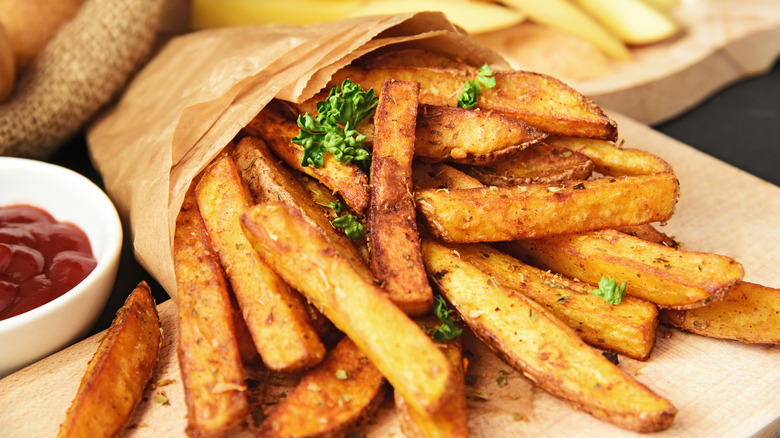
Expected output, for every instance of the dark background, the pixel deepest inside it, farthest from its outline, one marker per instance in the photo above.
(739, 125)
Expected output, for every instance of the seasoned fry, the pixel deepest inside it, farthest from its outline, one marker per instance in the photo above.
(649, 233)
(541, 101)
(668, 277)
(540, 163)
(470, 137)
(392, 224)
(544, 349)
(274, 313)
(360, 309)
(345, 179)
(749, 313)
(451, 420)
(331, 399)
(415, 58)
(441, 176)
(209, 359)
(612, 160)
(627, 328)
(114, 382)
(492, 214)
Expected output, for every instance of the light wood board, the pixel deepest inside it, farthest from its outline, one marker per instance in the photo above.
(721, 388)
(723, 41)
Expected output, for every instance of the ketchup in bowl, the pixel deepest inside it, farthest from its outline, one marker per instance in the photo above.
(40, 258)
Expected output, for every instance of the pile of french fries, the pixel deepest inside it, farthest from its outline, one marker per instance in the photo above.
(512, 211)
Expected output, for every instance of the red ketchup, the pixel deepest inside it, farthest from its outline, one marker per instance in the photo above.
(40, 258)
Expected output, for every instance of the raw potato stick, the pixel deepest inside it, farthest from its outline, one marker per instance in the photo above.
(209, 359)
(669, 277)
(331, 400)
(395, 242)
(118, 372)
(545, 350)
(274, 313)
(493, 214)
(405, 355)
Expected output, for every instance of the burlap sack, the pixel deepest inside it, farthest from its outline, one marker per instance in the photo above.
(82, 68)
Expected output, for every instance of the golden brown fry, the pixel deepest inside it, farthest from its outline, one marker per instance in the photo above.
(649, 233)
(392, 224)
(470, 137)
(345, 179)
(118, 372)
(492, 214)
(360, 309)
(209, 359)
(331, 399)
(749, 313)
(441, 176)
(627, 328)
(540, 163)
(668, 277)
(544, 349)
(541, 101)
(414, 58)
(612, 160)
(451, 420)
(274, 313)
(268, 179)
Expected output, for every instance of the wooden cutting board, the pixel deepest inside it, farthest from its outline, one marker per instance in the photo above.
(723, 41)
(721, 388)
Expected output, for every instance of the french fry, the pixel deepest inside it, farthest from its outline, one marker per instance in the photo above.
(345, 179)
(395, 243)
(451, 420)
(441, 176)
(541, 101)
(209, 359)
(749, 313)
(267, 179)
(612, 160)
(541, 163)
(471, 137)
(274, 313)
(649, 233)
(492, 214)
(668, 277)
(117, 374)
(405, 355)
(331, 399)
(627, 328)
(544, 349)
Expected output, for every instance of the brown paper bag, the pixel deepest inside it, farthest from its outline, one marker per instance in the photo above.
(201, 88)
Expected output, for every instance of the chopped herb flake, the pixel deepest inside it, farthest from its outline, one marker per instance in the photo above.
(610, 291)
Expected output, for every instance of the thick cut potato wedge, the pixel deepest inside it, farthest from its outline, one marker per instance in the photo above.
(540, 163)
(545, 350)
(612, 160)
(405, 355)
(119, 371)
(413, 58)
(441, 176)
(627, 328)
(395, 242)
(457, 135)
(268, 179)
(749, 313)
(345, 179)
(649, 233)
(541, 101)
(493, 214)
(451, 421)
(209, 359)
(331, 399)
(668, 277)
(274, 313)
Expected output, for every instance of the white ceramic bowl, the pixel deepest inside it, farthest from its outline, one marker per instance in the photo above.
(69, 197)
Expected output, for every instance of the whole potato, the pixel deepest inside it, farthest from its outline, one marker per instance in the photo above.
(30, 24)
(7, 66)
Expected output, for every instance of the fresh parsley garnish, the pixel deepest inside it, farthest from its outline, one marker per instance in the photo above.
(334, 128)
(610, 291)
(447, 331)
(336, 206)
(471, 89)
(352, 227)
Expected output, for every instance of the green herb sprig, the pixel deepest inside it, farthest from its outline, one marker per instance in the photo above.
(334, 128)
(471, 89)
(610, 291)
(350, 224)
(447, 331)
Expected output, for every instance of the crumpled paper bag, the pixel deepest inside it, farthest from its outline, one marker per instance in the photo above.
(200, 89)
